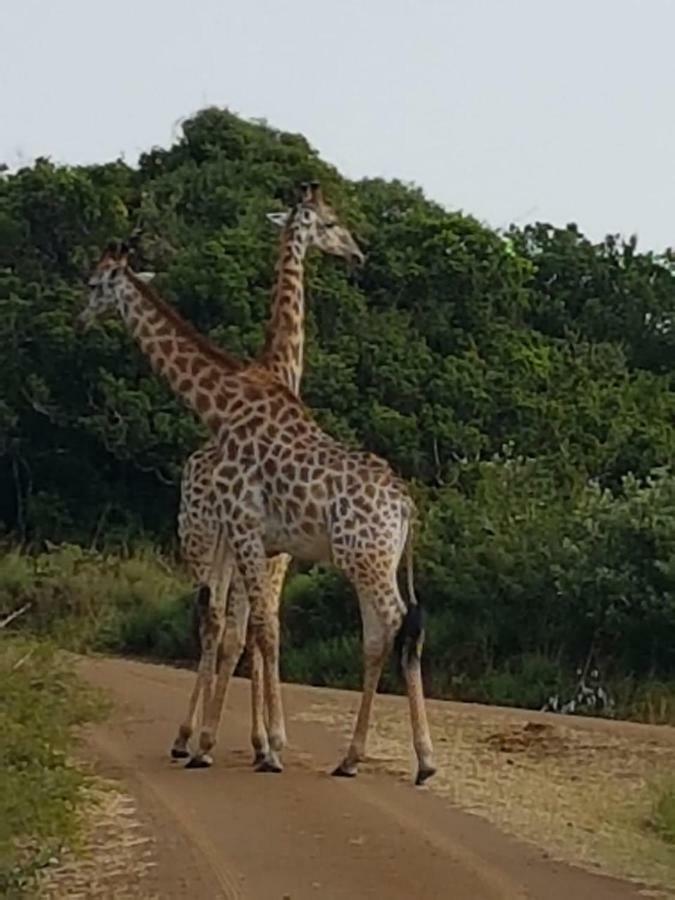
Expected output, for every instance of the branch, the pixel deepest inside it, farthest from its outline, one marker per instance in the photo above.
(14, 615)
(50, 412)
(159, 475)
(23, 659)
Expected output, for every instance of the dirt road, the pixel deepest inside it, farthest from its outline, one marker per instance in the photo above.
(229, 832)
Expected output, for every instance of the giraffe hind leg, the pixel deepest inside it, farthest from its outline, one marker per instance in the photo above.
(410, 640)
(259, 738)
(378, 636)
(268, 636)
(387, 621)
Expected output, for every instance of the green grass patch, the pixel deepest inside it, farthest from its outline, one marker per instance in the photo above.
(86, 600)
(40, 787)
(662, 819)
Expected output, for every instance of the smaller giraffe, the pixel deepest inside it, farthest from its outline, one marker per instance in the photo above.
(310, 223)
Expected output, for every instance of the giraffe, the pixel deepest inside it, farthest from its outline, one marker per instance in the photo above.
(311, 223)
(282, 485)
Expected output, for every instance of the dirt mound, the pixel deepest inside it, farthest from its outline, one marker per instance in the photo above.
(533, 738)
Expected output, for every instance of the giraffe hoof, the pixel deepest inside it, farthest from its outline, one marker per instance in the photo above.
(342, 772)
(267, 765)
(424, 775)
(200, 762)
(179, 753)
(259, 758)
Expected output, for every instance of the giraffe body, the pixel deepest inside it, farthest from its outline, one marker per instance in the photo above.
(283, 486)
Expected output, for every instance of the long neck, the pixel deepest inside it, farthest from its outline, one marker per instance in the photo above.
(283, 351)
(206, 378)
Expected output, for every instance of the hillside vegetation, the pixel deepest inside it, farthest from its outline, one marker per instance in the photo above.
(523, 383)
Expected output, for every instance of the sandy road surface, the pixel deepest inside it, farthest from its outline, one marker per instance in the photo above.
(229, 832)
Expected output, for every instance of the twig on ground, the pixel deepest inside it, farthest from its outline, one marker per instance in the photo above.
(14, 615)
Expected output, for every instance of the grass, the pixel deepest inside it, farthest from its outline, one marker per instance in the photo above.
(86, 600)
(40, 789)
(652, 701)
(662, 818)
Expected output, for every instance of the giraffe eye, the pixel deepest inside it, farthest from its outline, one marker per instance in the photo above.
(330, 224)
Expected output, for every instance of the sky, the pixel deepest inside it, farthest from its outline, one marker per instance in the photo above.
(511, 110)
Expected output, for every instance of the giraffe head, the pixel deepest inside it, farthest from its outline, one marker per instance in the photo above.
(105, 281)
(320, 223)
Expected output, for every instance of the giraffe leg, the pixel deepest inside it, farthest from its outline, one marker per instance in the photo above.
(259, 739)
(208, 635)
(212, 623)
(267, 636)
(232, 647)
(378, 638)
(198, 542)
(258, 578)
(411, 640)
(267, 649)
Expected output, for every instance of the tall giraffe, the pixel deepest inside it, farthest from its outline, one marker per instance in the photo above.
(311, 223)
(283, 486)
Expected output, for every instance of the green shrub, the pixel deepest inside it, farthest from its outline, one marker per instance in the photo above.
(650, 700)
(332, 661)
(527, 682)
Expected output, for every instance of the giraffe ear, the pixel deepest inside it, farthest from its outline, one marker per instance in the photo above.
(145, 277)
(278, 218)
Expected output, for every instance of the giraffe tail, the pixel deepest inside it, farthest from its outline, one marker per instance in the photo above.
(410, 636)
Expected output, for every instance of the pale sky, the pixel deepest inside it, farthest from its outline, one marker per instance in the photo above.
(558, 110)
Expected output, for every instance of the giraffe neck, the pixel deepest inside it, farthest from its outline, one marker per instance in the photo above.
(205, 377)
(283, 351)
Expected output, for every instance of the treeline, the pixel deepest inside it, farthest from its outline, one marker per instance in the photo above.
(522, 382)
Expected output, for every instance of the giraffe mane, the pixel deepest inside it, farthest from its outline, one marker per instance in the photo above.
(184, 328)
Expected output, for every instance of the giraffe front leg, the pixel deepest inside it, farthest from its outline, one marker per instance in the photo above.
(180, 749)
(232, 647)
(262, 588)
(207, 677)
(212, 617)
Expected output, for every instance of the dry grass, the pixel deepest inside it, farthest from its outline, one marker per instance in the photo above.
(582, 793)
(116, 858)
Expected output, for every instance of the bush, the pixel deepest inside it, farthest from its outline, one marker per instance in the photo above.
(516, 564)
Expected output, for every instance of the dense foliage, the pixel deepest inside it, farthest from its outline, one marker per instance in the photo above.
(523, 382)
